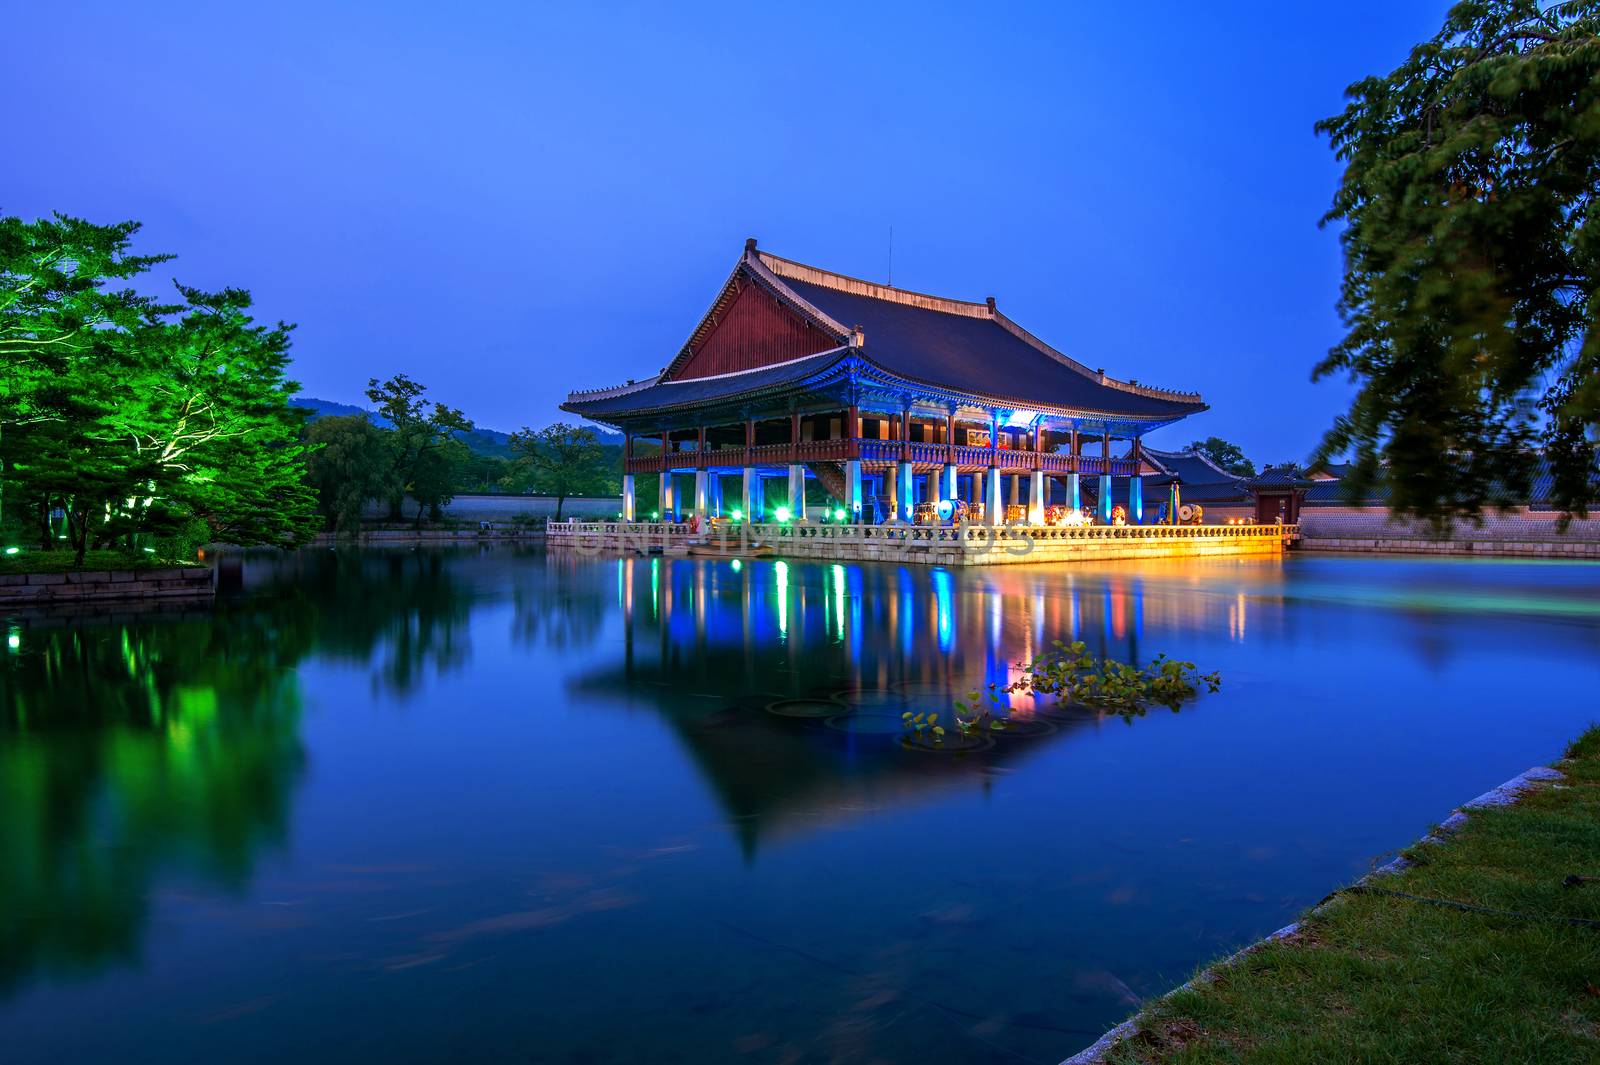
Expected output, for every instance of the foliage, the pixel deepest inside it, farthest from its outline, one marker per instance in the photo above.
(349, 465)
(1471, 243)
(421, 459)
(1229, 456)
(134, 418)
(564, 460)
(1072, 673)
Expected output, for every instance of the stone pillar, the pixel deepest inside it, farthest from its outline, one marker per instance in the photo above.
(627, 497)
(701, 496)
(949, 489)
(1136, 500)
(1074, 495)
(666, 494)
(1105, 499)
(752, 494)
(852, 490)
(1016, 489)
(991, 505)
(889, 485)
(907, 489)
(1036, 498)
(797, 491)
(930, 488)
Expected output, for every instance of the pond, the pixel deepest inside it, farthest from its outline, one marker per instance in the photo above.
(510, 806)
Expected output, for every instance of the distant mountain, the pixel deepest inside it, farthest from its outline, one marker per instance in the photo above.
(483, 441)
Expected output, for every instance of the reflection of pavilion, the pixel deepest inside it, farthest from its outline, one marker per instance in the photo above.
(710, 642)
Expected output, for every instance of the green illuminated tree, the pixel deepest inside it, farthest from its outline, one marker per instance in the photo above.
(133, 417)
(1471, 239)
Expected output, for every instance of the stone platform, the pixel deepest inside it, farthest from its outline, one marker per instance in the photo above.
(965, 545)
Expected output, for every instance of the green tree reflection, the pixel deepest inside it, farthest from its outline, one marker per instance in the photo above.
(128, 750)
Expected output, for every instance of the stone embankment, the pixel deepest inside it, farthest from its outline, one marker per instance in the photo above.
(44, 589)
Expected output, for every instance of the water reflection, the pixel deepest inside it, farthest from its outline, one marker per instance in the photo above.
(678, 783)
(129, 753)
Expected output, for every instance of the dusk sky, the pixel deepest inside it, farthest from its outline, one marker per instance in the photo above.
(508, 201)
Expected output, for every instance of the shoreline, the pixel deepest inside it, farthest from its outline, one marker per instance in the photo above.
(1507, 794)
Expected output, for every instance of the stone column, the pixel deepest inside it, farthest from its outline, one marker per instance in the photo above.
(930, 489)
(797, 491)
(1136, 500)
(627, 497)
(1036, 498)
(852, 490)
(1074, 495)
(701, 496)
(949, 489)
(752, 494)
(1105, 499)
(991, 505)
(891, 481)
(907, 490)
(666, 494)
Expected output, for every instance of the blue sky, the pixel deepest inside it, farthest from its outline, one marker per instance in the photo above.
(508, 200)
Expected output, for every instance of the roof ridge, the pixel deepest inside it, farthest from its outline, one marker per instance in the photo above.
(856, 286)
(611, 391)
(756, 369)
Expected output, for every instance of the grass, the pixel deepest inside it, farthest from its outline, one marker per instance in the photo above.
(33, 561)
(1370, 978)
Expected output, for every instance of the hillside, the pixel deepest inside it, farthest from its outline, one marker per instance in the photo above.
(483, 441)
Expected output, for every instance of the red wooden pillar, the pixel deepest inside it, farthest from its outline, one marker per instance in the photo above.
(905, 434)
(852, 432)
(794, 437)
(950, 437)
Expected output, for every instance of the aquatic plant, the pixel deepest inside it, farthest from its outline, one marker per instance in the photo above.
(1073, 674)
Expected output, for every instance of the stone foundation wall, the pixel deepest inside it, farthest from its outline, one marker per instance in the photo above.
(380, 537)
(969, 546)
(43, 589)
(1520, 534)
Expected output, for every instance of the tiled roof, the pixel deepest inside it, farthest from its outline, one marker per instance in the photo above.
(665, 395)
(977, 355)
(969, 349)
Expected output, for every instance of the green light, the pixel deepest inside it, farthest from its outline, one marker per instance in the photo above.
(654, 514)
(782, 514)
(14, 640)
(149, 550)
(737, 514)
(737, 565)
(12, 550)
(838, 514)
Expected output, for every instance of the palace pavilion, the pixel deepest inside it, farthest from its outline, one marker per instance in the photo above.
(887, 399)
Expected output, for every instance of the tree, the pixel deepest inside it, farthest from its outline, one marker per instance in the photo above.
(350, 463)
(563, 460)
(138, 418)
(1227, 455)
(421, 429)
(60, 321)
(1471, 238)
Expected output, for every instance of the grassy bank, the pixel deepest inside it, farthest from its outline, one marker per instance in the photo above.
(27, 561)
(1376, 978)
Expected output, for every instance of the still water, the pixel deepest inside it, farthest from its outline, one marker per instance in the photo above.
(516, 807)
